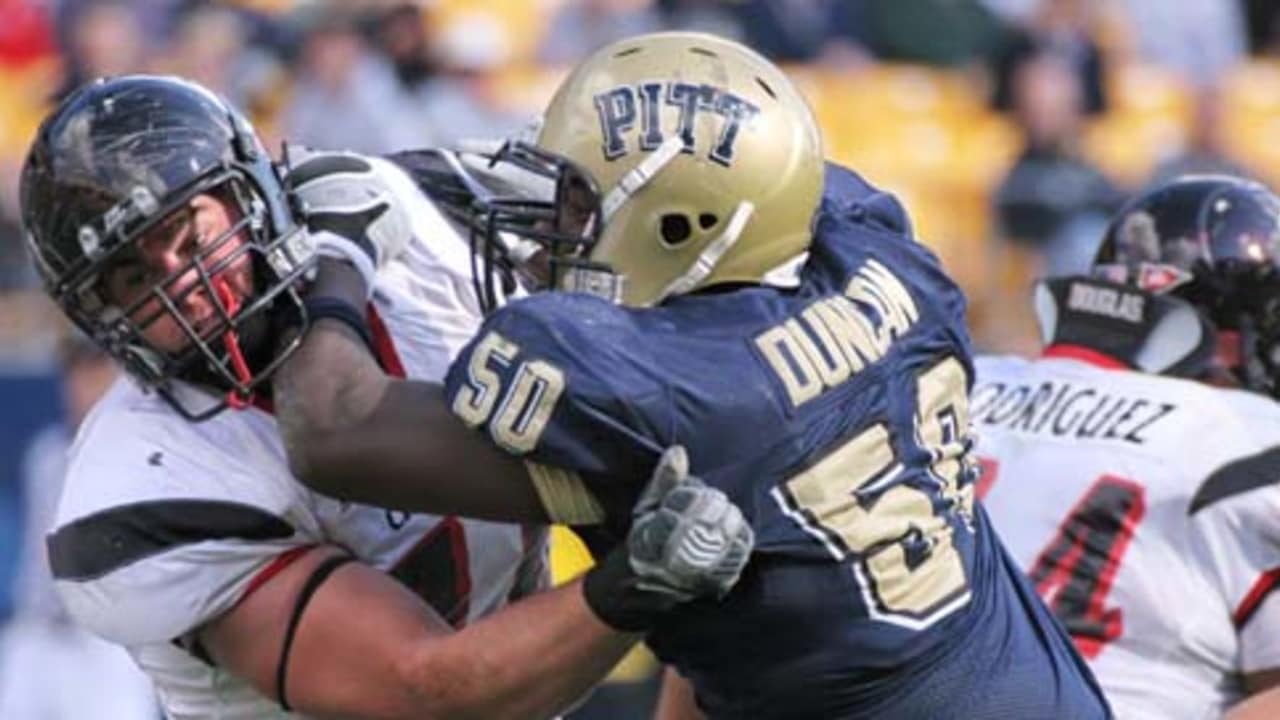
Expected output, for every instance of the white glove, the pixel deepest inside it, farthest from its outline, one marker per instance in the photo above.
(687, 541)
(687, 538)
(350, 211)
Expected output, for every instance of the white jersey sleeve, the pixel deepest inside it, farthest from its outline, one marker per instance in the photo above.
(427, 293)
(158, 531)
(1236, 514)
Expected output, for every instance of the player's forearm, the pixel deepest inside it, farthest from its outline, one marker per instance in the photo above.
(1263, 706)
(354, 433)
(532, 660)
(332, 381)
(411, 453)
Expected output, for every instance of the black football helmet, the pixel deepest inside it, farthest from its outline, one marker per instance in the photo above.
(1214, 242)
(117, 157)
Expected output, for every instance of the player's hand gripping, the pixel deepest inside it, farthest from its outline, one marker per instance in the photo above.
(687, 540)
(351, 213)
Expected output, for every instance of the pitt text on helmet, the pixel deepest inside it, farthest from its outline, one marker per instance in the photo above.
(621, 107)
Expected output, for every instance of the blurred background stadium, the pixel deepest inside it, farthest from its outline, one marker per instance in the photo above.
(1010, 128)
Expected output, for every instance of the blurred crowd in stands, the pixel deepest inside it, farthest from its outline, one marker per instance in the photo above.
(1010, 128)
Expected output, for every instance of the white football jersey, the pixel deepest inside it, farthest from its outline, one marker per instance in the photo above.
(164, 524)
(1146, 510)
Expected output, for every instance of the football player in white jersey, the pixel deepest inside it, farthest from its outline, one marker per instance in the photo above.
(164, 231)
(1133, 469)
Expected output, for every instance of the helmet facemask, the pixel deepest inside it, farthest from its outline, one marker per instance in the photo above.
(530, 216)
(116, 162)
(232, 350)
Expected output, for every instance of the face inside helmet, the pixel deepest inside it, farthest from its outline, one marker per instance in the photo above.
(531, 216)
(1214, 242)
(160, 226)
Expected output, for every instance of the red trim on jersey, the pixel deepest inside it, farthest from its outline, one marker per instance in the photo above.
(383, 345)
(1262, 587)
(413, 574)
(988, 471)
(1227, 349)
(462, 566)
(1085, 355)
(282, 561)
(529, 561)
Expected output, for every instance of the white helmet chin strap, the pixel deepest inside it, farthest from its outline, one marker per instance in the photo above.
(639, 176)
(711, 254)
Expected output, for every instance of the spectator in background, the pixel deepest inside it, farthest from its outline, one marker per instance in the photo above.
(1052, 199)
(1196, 38)
(1262, 17)
(402, 35)
(461, 102)
(50, 669)
(708, 16)
(345, 95)
(795, 31)
(104, 37)
(227, 50)
(577, 28)
(213, 45)
(937, 32)
(1065, 29)
(1204, 153)
(1050, 208)
(206, 45)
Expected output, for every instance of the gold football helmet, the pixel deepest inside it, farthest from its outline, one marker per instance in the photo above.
(707, 159)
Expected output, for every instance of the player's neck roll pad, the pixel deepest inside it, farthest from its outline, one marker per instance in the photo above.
(1158, 334)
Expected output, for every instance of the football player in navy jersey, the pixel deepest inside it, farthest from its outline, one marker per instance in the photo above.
(722, 289)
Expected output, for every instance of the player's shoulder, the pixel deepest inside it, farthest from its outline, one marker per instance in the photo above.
(1248, 466)
(573, 352)
(848, 195)
(162, 522)
(132, 450)
(861, 229)
(573, 326)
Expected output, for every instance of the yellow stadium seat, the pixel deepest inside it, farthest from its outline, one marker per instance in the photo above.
(523, 23)
(26, 94)
(1129, 147)
(1150, 119)
(1141, 89)
(1249, 120)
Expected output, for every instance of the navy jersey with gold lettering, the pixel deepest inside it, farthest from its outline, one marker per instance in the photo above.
(835, 415)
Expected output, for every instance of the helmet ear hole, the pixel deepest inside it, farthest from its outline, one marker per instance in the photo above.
(706, 221)
(676, 229)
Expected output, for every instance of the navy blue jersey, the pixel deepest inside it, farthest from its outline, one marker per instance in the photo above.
(835, 415)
